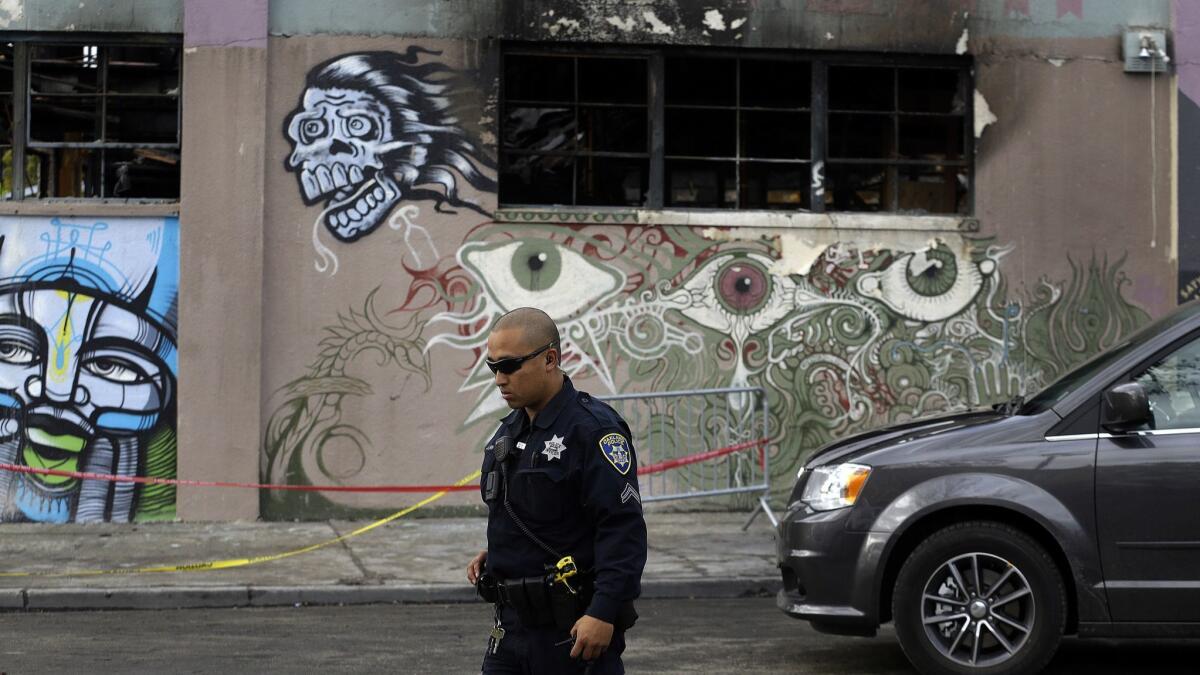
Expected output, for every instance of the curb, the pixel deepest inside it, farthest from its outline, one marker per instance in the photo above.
(213, 597)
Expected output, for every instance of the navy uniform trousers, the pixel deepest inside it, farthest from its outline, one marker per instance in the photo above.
(533, 651)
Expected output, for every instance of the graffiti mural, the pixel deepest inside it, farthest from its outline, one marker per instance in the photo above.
(88, 366)
(865, 336)
(307, 418)
(373, 129)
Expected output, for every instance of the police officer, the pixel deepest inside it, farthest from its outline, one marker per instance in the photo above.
(566, 537)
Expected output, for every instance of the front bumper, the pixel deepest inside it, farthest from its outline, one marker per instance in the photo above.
(828, 573)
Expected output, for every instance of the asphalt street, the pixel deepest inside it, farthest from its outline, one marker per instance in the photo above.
(674, 636)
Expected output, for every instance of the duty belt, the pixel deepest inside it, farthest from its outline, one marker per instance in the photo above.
(541, 600)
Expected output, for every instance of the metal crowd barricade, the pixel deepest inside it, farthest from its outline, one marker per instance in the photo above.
(700, 443)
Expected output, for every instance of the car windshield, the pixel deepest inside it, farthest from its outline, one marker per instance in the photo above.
(1068, 383)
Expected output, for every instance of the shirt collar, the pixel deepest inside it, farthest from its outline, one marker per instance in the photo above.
(518, 420)
(546, 418)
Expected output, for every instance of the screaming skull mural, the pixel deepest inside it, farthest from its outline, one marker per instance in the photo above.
(373, 129)
(87, 366)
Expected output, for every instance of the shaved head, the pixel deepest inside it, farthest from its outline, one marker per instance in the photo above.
(537, 328)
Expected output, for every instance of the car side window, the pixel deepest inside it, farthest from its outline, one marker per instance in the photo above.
(1173, 387)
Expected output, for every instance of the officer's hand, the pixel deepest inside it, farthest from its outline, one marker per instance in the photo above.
(475, 567)
(591, 637)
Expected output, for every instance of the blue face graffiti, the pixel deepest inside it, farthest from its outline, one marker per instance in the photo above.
(87, 365)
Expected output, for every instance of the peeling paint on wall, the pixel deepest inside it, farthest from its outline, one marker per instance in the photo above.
(622, 24)
(798, 250)
(961, 47)
(11, 12)
(656, 25)
(713, 19)
(983, 114)
(564, 25)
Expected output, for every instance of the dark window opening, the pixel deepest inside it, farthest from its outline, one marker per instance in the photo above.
(90, 120)
(721, 130)
(575, 130)
(737, 133)
(897, 140)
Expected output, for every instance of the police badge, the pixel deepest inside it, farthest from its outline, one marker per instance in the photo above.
(616, 451)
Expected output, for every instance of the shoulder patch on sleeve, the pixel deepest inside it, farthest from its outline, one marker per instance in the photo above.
(616, 451)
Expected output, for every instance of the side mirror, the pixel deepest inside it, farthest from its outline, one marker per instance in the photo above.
(1126, 408)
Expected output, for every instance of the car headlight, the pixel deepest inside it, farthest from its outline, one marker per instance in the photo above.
(835, 487)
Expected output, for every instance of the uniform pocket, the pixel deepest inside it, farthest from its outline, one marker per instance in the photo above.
(544, 493)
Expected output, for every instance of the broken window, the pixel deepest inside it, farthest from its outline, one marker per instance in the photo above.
(747, 130)
(897, 139)
(90, 120)
(575, 130)
(737, 133)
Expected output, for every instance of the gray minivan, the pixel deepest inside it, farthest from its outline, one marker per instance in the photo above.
(987, 535)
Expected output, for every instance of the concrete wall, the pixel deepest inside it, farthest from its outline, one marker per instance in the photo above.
(374, 373)
(224, 165)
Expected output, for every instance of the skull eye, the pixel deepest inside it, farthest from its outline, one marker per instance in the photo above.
(361, 126)
(311, 130)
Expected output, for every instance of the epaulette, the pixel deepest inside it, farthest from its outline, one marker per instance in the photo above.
(602, 412)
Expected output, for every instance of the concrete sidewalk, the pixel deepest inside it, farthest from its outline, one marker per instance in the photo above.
(695, 554)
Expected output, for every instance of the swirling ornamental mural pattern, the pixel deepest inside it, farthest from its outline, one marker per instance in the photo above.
(866, 337)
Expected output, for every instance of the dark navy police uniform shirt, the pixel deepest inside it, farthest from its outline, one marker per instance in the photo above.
(574, 484)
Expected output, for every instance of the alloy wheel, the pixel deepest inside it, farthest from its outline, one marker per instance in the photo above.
(978, 609)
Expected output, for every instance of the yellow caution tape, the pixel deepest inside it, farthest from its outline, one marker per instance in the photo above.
(243, 562)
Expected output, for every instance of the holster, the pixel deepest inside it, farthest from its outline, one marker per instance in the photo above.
(566, 606)
(486, 587)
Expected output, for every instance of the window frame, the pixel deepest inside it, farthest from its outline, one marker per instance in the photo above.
(820, 62)
(24, 43)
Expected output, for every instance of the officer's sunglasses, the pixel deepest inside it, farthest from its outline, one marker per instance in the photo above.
(512, 364)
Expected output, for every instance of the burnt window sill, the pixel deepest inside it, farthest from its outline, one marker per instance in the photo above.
(90, 207)
(770, 219)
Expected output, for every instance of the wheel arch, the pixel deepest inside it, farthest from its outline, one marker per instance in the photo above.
(930, 522)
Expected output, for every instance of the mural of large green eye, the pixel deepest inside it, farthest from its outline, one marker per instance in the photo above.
(743, 286)
(541, 273)
(536, 265)
(934, 273)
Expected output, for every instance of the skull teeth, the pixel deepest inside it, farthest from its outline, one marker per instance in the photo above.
(324, 179)
(335, 178)
(363, 211)
(309, 181)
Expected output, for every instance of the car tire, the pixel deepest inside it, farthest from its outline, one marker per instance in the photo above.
(1009, 621)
